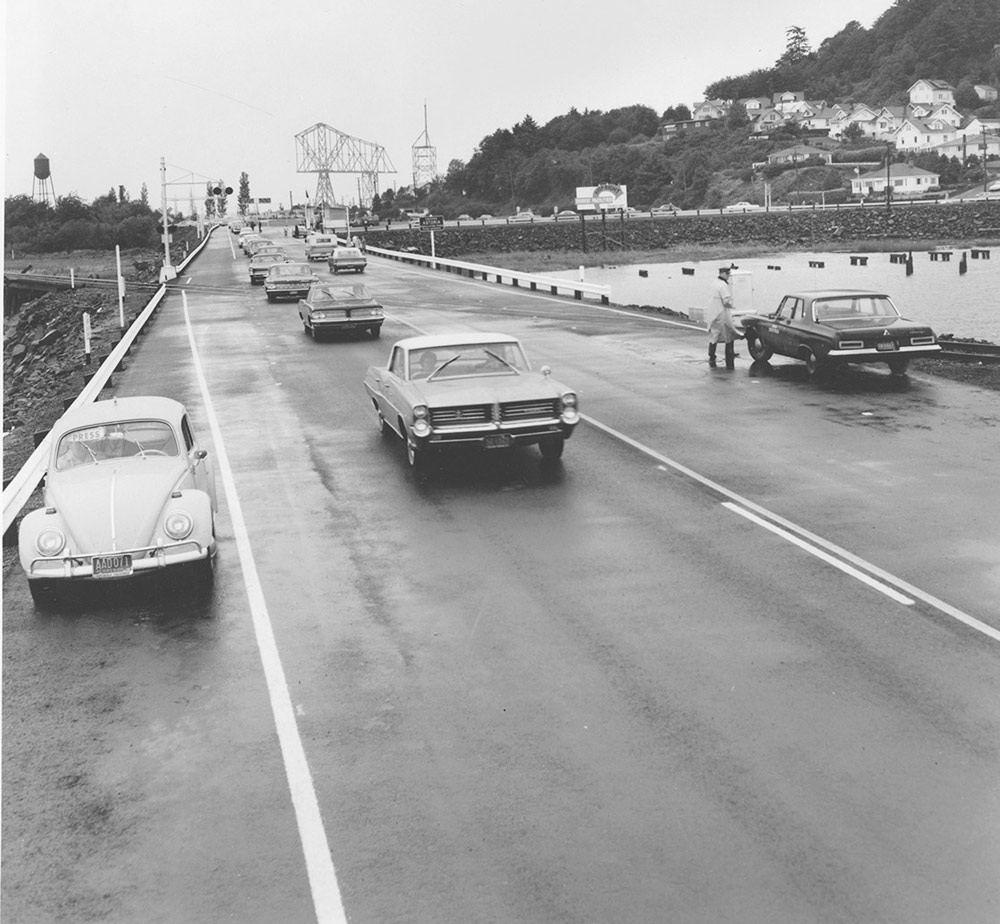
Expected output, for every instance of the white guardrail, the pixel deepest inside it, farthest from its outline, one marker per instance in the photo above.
(23, 484)
(532, 280)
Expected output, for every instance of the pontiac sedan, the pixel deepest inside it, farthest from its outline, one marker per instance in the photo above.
(128, 491)
(260, 266)
(469, 390)
(347, 258)
(288, 280)
(834, 327)
(331, 309)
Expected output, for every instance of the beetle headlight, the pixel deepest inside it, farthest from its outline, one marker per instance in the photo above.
(50, 541)
(178, 525)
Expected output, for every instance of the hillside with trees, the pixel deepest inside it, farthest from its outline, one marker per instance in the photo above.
(540, 166)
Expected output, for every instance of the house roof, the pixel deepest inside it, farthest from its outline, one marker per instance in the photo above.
(896, 170)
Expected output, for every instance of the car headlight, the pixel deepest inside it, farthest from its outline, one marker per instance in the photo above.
(50, 541)
(178, 525)
(569, 399)
(421, 420)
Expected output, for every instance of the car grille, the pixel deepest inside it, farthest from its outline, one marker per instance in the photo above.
(458, 416)
(543, 409)
(508, 412)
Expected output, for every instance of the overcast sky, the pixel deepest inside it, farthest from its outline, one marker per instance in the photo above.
(215, 87)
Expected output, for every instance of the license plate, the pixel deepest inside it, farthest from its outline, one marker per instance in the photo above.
(497, 441)
(885, 345)
(110, 566)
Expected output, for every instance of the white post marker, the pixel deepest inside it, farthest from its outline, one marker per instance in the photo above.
(86, 338)
(121, 288)
(72, 279)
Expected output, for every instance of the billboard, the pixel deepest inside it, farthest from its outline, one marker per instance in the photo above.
(608, 197)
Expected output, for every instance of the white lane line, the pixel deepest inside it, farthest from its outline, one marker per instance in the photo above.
(790, 528)
(820, 554)
(326, 896)
(858, 562)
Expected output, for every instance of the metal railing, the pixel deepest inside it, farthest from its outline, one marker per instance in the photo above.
(533, 281)
(23, 484)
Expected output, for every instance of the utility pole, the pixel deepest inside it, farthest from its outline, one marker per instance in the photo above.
(168, 272)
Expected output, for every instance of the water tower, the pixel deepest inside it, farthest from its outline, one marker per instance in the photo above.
(42, 189)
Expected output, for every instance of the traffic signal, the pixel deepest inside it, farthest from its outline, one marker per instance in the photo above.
(222, 190)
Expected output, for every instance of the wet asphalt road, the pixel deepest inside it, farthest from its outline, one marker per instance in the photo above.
(624, 688)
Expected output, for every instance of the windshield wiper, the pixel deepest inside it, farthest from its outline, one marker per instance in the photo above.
(504, 361)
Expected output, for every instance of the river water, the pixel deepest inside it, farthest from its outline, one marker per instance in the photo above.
(966, 305)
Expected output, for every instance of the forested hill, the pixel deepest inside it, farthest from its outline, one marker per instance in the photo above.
(949, 40)
(539, 166)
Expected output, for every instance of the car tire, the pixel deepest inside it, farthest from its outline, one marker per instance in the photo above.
(376, 332)
(899, 365)
(758, 351)
(416, 456)
(813, 365)
(270, 297)
(552, 448)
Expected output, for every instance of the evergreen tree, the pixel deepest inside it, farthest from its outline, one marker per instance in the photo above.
(243, 194)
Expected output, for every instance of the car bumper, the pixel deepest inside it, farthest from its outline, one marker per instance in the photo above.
(282, 292)
(80, 567)
(350, 324)
(498, 435)
(871, 355)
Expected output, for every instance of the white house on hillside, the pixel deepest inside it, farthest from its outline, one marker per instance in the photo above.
(986, 93)
(915, 134)
(799, 153)
(932, 92)
(904, 180)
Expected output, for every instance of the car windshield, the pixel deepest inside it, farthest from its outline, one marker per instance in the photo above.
(347, 252)
(854, 307)
(290, 269)
(461, 361)
(118, 440)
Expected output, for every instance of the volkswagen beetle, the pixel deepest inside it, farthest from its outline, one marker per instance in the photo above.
(128, 492)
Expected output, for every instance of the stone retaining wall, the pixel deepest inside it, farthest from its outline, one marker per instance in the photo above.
(798, 229)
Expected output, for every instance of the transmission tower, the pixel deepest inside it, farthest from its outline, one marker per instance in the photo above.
(324, 150)
(424, 158)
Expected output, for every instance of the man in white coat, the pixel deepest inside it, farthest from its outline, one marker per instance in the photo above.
(722, 327)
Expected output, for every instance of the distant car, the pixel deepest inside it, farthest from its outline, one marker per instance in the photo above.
(477, 389)
(260, 266)
(245, 239)
(465, 218)
(667, 209)
(320, 246)
(834, 327)
(523, 216)
(741, 207)
(347, 258)
(288, 280)
(565, 213)
(332, 309)
(254, 247)
(486, 218)
(128, 491)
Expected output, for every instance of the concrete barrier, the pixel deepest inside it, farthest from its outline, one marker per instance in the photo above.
(533, 281)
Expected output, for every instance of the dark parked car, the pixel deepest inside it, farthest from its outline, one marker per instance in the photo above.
(334, 309)
(834, 327)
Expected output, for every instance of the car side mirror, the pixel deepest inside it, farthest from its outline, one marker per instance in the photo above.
(200, 454)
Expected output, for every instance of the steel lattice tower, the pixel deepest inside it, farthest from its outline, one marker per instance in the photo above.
(424, 158)
(324, 150)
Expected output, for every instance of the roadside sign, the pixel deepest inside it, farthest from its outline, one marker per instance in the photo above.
(431, 223)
